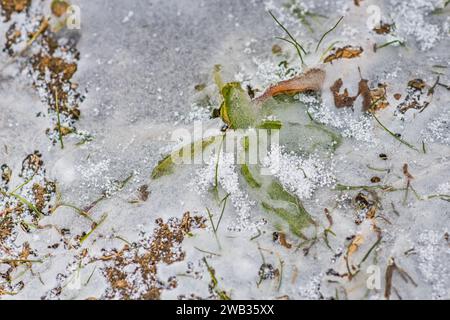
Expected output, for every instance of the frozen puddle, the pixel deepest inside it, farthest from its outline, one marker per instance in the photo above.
(350, 200)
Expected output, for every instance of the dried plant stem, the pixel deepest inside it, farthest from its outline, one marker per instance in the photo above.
(58, 118)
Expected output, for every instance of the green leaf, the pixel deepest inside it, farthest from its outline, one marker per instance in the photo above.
(249, 177)
(277, 192)
(271, 125)
(290, 215)
(293, 213)
(336, 139)
(237, 109)
(166, 165)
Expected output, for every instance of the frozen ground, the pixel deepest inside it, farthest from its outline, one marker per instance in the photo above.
(141, 66)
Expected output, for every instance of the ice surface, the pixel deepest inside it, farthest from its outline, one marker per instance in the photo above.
(140, 62)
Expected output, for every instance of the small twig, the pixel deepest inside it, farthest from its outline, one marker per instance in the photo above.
(58, 118)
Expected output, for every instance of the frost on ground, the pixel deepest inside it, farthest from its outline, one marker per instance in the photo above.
(356, 205)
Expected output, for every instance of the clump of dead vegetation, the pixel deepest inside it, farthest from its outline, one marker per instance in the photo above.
(49, 55)
(132, 271)
(11, 6)
(21, 208)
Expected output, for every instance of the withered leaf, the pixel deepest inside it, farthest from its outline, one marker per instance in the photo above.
(378, 98)
(143, 192)
(11, 6)
(415, 96)
(406, 172)
(59, 7)
(383, 28)
(347, 52)
(417, 84)
(283, 242)
(388, 278)
(354, 246)
(311, 80)
(341, 100)
(6, 173)
(39, 196)
(364, 90)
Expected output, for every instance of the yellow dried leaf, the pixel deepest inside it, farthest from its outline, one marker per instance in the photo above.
(347, 52)
(356, 243)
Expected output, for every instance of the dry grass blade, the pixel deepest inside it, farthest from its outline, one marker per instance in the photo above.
(293, 41)
(326, 33)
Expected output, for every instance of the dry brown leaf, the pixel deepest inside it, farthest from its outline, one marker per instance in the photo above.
(283, 242)
(143, 192)
(364, 90)
(59, 7)
(341, 100)
(406, 172)
(416, 97)
(383, 28)
(347, 52)
(311, 80)
(418, 84)
(371, 212)
(6, 173)
(378, 98)
(11, 6)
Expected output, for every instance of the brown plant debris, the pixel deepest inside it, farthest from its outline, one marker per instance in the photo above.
(378, 99)
(342, 100)
(372, 99)
(51, 62)
(406, 172)
(375, 179)
(20, 209)
(59, 7)
(365, 205)
(310, 81)
(391, 267)
(281, 238)
(347, 52)
(384, 28)
(10, 6)
(417, 96)
(132, 271)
